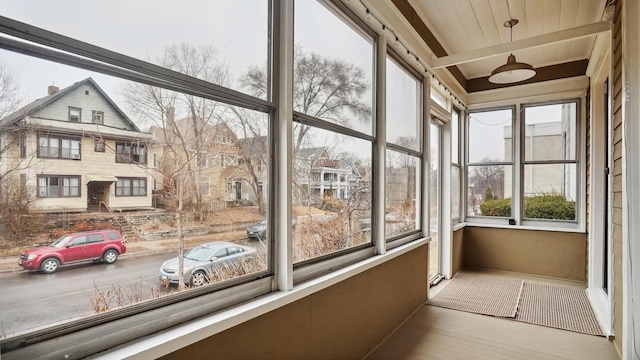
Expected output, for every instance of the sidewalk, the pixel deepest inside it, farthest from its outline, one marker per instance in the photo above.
(134, 249)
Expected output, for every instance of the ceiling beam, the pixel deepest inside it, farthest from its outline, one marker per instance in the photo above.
(541, 40)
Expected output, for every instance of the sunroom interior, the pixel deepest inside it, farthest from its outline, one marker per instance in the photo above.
(484, 159)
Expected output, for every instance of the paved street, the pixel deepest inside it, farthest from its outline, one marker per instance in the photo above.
(29, 299)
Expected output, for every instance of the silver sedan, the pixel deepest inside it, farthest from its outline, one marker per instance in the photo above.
(201, 262)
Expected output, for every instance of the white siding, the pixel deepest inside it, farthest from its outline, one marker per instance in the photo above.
(59, 109)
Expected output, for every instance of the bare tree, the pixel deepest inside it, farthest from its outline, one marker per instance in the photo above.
(181, 144)
(324, 88)
(488, 176)
(254, 148)
(198, 127)
(16, 198)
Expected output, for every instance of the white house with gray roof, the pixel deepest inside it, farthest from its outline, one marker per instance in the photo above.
(77, 150)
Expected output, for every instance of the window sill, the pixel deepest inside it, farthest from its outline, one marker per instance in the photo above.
(191, 332)
(458, 226)
(567, 229)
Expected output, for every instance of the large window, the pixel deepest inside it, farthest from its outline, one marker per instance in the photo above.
(57, 147)
(546, 185)
(131, 153)
(490, 163)
(75, 114)
(403, 128)
(550, 176)
(58, 186)
(332, 134)
(131, 187)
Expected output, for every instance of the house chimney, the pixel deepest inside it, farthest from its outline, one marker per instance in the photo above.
(52, 89)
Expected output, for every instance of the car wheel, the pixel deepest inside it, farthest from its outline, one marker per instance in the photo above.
(50, 265)
(110, 256)
(199, 278)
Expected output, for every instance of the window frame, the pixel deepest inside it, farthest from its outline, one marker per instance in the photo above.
(60, 139)
(71, 116)
(97, 117)
(469, 165)
(310, 268)
(99, 145)
(127, 157)
(517, 201)
(579, 204)
(131, 187)
(392, 55)
(456, 142)
(60, 186)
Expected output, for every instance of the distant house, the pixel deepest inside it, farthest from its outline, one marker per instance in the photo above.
(317, 174)
(545, 141)
(253, 170)
(213, 157)
(77, 150)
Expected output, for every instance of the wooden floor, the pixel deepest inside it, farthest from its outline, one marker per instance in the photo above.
(438, 333)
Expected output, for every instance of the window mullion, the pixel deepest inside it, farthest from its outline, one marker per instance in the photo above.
(517, 166)
(283, 97)
(380, 148)
(426, 156)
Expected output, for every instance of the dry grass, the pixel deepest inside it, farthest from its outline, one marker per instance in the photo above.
(233, 215)
(298, 210)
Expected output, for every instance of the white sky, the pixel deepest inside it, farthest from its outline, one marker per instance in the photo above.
(237, 29)
(115, 25)
(486, 129)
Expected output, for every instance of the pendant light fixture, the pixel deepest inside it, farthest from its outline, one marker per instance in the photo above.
(512, 71)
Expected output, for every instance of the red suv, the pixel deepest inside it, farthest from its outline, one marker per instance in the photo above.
(95, 245)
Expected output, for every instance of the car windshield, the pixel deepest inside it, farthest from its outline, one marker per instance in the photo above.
(263, 222)
(60, 242)
(199, 253)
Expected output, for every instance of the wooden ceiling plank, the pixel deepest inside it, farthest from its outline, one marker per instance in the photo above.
(542, 40)
(483, 12)
(534, 11)
(472, 29)
(568, 20)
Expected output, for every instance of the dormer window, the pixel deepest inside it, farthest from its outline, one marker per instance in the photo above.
(97, 117)
(74, 114)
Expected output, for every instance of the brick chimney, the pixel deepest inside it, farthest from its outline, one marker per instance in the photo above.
(52, 89)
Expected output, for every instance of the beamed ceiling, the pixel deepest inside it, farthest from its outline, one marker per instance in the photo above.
(557, 37)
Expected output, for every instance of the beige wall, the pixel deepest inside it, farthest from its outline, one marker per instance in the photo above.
(457, 254)
(536, 252)
(344, 321)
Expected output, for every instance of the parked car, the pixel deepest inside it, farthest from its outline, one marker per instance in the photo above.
(201, 261)
(104, 245)
(259, 229)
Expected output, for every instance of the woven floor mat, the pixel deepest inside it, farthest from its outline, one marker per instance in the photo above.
(481, 295)
(558, 307)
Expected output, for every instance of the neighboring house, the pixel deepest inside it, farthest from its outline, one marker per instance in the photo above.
(545, 141)
(213, 156)
(252, 172)
(76, 148)
(317, 174)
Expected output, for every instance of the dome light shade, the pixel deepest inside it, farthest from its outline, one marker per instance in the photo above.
(511, 72)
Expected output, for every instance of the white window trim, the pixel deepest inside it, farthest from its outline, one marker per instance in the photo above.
(580, 224)
(601, 301)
